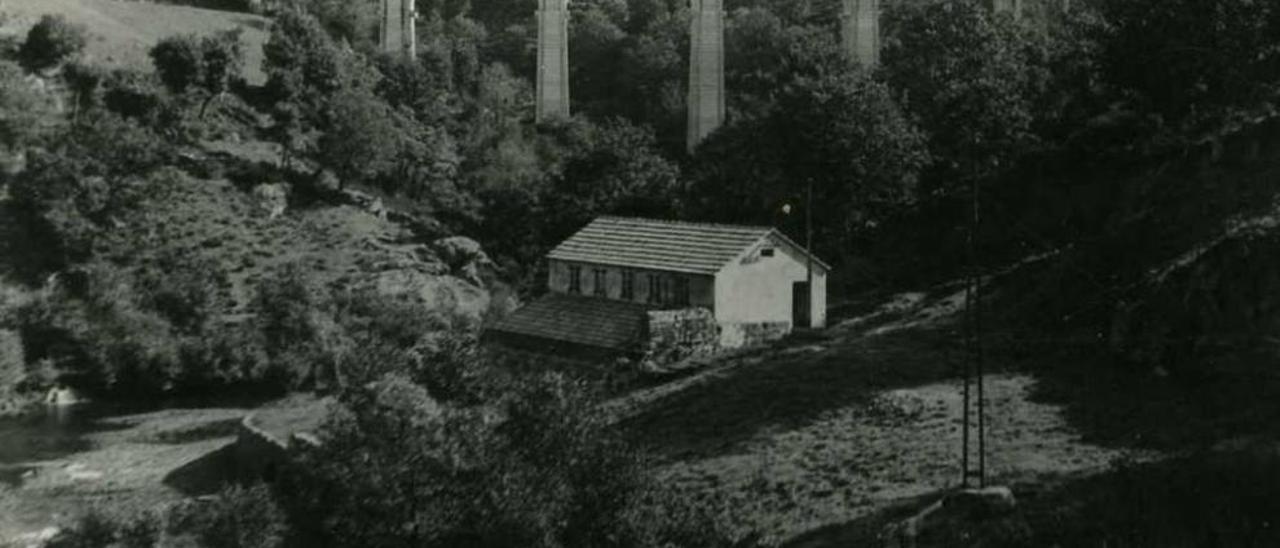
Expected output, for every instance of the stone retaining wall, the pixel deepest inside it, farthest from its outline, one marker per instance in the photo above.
(745, 335)
(258, 453)
(676, 335)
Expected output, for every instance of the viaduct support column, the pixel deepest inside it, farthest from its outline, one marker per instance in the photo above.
(553, 59)
(1007, 6)
(399, 29)
(860, 31)
(706, 69)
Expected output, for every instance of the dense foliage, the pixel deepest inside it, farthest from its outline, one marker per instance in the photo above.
(537, 466)
(1043, 121)
(52, 40)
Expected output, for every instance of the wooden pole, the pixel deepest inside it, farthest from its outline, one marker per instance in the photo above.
(808, 244)
(978, 353)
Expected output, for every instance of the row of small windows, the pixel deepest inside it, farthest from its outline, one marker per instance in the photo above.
(663, 289)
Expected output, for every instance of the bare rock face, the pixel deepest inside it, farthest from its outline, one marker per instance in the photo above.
(464, 257)
(450, 296)
(272, 199)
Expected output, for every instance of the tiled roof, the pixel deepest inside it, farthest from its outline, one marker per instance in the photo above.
(677, 246)
(589, 321)
(697, 248)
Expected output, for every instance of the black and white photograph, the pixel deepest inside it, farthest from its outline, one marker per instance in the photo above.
(640, 273)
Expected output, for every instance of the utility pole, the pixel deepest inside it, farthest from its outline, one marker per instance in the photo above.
(808, 247)
(974, 355)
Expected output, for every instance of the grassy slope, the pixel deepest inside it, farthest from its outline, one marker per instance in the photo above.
(804, 439)
(123, 32)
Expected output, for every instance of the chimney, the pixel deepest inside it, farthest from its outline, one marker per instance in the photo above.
(860, 31)
(706, 69)
(553, 59)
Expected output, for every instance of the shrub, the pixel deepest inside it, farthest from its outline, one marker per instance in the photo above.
(50, 41)
(238, 517)
(131, 94)
(26, 111)
(207, 64)
(86, 82)
(540, 467)
(178, 61)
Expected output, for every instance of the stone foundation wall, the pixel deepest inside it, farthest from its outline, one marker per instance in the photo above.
(258, 454)
(677, 335)
(744, 335)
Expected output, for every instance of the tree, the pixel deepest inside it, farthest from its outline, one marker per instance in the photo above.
(609, 168)
(179, 62)
(85, 81)
(52, 40)
(963, 74)
(841, 133)
(539, 467)
(24, 112)
(222, 60)
(768, 55)
(1197, 67)
(190, 63)
(361, 136)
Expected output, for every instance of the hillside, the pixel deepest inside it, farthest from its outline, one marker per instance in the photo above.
(124, 31)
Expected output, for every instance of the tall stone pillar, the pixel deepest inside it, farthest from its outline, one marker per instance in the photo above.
(1013, 7)
(706, 69)
(860, 31)
(399, 28)
(553, 59)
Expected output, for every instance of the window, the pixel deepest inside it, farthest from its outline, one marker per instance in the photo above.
(766, 252)
(598, 287)
(575, 279)
(628, 285)
(655, 289)
(682, 291)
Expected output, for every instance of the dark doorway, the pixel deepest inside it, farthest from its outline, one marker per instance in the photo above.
(800, 304)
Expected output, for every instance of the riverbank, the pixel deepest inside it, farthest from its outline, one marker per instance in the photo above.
(55, 467)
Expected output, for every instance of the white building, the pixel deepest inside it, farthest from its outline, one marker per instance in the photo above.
(754, 280)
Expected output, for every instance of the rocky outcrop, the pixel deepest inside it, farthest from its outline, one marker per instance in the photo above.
(452, 297)
(272, 199)
(465, 258)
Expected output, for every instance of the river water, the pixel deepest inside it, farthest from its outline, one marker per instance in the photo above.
(51, 433)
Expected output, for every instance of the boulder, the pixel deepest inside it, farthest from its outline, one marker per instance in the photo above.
(464, 257)
(272, 199)
(326, 180)
(450, 296)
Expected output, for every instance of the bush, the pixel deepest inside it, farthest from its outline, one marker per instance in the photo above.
(26, 111)
(178, 61)
(207, 64)
(238, 517)
(539, 467)
(133, 95)
(295, 320)
(52, 40)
